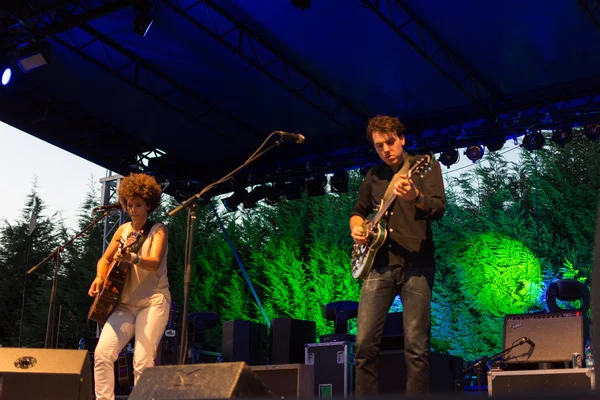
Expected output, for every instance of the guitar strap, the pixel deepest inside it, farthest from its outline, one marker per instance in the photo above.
(402, 171)
(145, 231)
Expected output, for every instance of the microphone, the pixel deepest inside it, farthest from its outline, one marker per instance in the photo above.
(108, 207)
(291, 137)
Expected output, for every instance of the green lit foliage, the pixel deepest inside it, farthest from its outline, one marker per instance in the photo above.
(499, 275)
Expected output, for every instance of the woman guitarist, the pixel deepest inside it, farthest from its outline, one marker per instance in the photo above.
(143, 306)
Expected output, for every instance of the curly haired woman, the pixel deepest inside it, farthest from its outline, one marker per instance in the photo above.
(143, 308)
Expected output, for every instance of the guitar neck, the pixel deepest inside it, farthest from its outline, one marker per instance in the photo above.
(386, 206)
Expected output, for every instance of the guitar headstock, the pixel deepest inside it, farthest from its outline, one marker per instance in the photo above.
(421, 165)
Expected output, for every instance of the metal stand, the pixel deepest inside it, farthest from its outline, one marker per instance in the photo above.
(479, 364)
(56, 256)
(191, 204)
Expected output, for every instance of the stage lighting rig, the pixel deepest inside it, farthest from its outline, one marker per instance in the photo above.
(562, 136)
(475, 152)
(533, 141)
(449, 157)
(6, 75)
(592, 131)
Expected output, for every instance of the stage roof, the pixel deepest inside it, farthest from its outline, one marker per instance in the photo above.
(212, 79)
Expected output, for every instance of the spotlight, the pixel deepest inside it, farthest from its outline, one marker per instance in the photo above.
(495, 143)
(562, 136)
(274, 192)
(448, 157)
(6, 75)
(316, 185)
(143, 21)
(592, 131)
(294, 189)
(339, 182)
(534, 141)
(257, 194)
(474, 152)
(232, 202)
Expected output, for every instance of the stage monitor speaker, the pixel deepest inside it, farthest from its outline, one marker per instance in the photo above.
(556, 336)
(288, 381)
(47, 374)
(199, 381)
(244, 341)
(288, 337)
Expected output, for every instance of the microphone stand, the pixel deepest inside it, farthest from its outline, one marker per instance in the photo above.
(478, 364)
(191, 204)
(56, 255)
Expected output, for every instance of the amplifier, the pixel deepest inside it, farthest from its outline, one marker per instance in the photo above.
(556, 336)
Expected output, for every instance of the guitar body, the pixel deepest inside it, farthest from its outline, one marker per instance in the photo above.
(363, 255)
(106, 300)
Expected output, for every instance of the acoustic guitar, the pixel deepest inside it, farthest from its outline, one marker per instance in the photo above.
(107, 298)
(363, 255)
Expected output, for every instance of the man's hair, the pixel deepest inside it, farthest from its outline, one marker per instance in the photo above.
(384, 124)
(141, 185)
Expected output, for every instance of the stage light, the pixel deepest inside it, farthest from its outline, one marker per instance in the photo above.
(257, 194)
(232, 202)
(316, 185)
(475, 152)
(31, 62)
(562, 136)
(339, 182)
(592, 131)
(495, 143)
(294, 189)
(6, 75)
(143, 21)
(274, 192)
(449, 157)
(533, 141)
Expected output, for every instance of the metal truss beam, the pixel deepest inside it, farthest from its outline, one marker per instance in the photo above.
(592, 9)
(33, 23)
(222, 26)
(123, 62)
(552, 115)
(141, 74)
(410, 28)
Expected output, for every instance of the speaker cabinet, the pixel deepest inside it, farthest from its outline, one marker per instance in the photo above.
(556, 336)
(199, 381)
(244, 341)
(47, 374)
(288, 339)
(288, 381)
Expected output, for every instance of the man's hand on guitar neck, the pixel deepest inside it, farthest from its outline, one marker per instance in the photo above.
(406, 190)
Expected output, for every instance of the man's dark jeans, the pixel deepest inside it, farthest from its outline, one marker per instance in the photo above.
(378, 292)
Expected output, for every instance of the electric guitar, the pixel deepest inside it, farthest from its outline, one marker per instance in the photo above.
(107, 298)
(375, 225)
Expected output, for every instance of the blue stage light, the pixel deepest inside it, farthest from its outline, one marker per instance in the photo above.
(6, 75)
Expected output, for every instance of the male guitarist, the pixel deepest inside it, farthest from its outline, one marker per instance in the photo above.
(143, 306)
(404, 264)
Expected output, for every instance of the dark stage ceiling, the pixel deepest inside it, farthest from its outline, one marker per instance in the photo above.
(211, 79)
